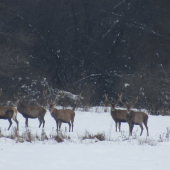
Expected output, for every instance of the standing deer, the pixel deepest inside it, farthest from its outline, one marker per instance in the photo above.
(117, 114)
(6, 113)
(135, 117)
(62, 115)
(32, 112)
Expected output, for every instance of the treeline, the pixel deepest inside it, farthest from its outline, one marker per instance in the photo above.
(90, 47)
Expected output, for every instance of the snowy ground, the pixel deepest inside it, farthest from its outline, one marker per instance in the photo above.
(78, 154)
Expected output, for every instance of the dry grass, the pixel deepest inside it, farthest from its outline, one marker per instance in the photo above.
(1, 134)
(99, 136)
(28, 136)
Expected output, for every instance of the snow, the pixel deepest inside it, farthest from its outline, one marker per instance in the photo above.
(77, 154)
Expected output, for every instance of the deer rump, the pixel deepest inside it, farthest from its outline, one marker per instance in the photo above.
(6, 112)
(7, 117)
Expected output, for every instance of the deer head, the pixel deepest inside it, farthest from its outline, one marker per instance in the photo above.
(111, 103)
(19, 98)
(129, 105)
(53, 104)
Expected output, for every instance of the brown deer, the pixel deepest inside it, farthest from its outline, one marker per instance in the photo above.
(6, 113)
(117, 114)
(62, 115)
(32, 112)
(135, 117)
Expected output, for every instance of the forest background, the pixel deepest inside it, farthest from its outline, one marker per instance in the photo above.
(87, 47)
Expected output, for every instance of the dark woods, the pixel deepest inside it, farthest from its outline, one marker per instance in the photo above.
(91, 47)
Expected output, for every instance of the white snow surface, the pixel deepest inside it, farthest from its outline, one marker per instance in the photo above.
(90, 154)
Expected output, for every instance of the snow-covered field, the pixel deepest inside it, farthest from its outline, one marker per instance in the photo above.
(116, 152)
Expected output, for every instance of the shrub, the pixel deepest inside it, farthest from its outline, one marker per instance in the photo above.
(43, 135)
(99, 136)
(147, 140)
(58, 139)
(14, 133)
(27, 136)
(87, 136)
(1, 134)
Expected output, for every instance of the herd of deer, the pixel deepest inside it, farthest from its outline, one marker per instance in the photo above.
(27, 111)
(67, 115)
(128, 115)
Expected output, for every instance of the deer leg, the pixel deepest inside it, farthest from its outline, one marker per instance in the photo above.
(39, 118)
(42, 118)
(16, 121)
(130, 129)
(72, 126)
(116, 126)
(72, 122)
(43, 122)
(69, 126)
(57, 125)
(9, 115)
(26, 122)
(119, 126)
(141, 129)
(10, 123)
(60, 125)
(146, 128)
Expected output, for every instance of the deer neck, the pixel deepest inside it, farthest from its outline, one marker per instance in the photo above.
(20, 105)
(128, 110)
(53, 111)
(113, 107)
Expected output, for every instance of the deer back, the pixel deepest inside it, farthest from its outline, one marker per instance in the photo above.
(32, 111)
(137, 117)
(64, 115)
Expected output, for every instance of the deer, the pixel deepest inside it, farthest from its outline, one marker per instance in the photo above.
(6, 112)
(31, 112)
(119, 116)
(135, 117)
(4, 109)
(62, 115)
